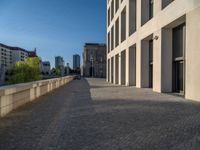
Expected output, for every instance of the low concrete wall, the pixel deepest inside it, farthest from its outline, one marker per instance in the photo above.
(14, 96)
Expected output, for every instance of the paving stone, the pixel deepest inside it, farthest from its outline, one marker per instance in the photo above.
(90, 114)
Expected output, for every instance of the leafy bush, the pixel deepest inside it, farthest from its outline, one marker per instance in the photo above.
(25, 71)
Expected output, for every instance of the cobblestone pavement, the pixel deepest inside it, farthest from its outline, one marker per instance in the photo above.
(93, 115)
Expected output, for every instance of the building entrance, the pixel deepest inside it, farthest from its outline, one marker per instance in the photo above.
(178, 59)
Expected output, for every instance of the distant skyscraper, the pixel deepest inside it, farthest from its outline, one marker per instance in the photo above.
(76, 61)
(59, 62)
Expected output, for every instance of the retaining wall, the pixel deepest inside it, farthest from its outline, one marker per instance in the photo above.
(14, 96)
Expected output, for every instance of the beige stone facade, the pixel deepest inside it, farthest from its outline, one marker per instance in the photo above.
(154, 44)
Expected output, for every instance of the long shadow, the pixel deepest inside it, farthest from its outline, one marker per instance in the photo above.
(131, 124)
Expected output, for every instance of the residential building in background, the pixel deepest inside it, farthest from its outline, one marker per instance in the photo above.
(154, 44)
(46, 67)
(9, 55)
(76, 61)
(94, 60)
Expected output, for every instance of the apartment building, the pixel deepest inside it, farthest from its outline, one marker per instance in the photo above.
(154, 44)
(9, 55)
(94, 60)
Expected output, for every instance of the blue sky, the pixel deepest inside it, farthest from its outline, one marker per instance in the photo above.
(54, 27)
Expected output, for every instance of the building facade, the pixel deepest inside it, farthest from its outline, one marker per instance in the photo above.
(154, 44)
(46, 67)
(94, 60)
(9, 55)
(76, 61)
(59, 62)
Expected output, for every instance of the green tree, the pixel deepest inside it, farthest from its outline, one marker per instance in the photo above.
(25, 71)
(56, 71)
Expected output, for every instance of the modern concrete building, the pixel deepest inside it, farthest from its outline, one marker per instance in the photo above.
(59, 62)
(94, 60)
(76, 61)
(154, 44)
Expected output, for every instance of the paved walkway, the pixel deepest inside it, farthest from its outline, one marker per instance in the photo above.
(93, 115)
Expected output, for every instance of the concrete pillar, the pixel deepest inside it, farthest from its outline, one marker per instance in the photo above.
(157, 61)
(192, 80)
(38, 91)
(48, 87)
(32, 94)
(138, 3)
(157, 6)
(138, 63)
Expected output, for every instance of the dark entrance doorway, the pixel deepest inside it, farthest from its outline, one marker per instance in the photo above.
(178, 59)
(91, 71)
(151, 64)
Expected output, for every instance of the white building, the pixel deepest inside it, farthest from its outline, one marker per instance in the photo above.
(9, 56)
(154, 44)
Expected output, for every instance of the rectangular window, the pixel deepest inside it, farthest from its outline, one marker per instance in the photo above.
(132, 16)
(112, 38)
(108, 42)
(117, 33)
(150, 9)
(178, 41)
(108, 17)
(112, 9)
(147, 10)
(116, 5)
(123, 25)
